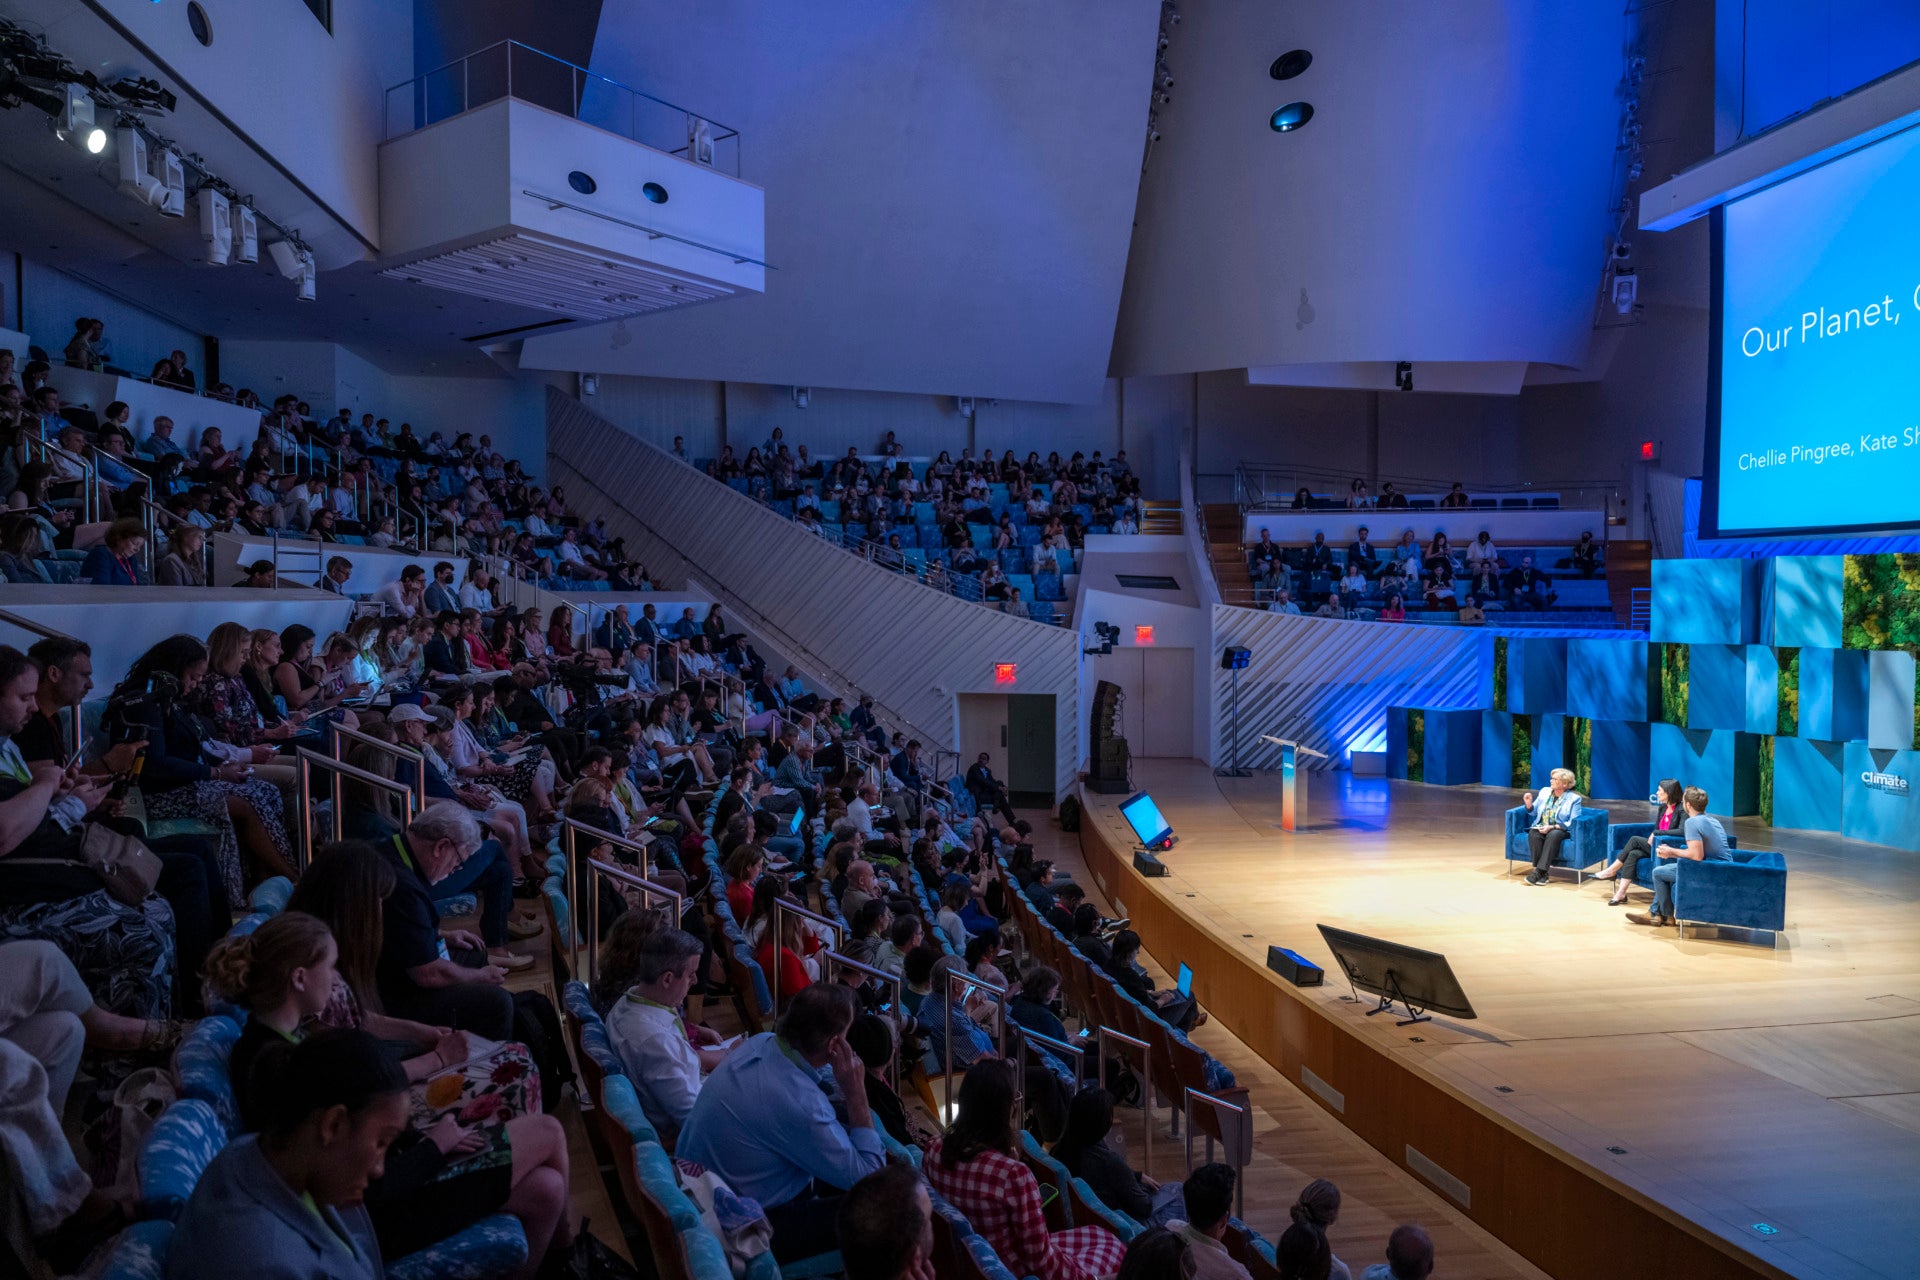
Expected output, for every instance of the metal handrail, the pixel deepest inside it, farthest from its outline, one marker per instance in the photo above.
(306, 760)
(1103, 1034)
(725, 133)
(416, 758)
(1239, 1148)
(998, 996)
(89, 480)
(830, 958)
(782, 907)
(1047, 1043)
(623, 876)
(570, 826)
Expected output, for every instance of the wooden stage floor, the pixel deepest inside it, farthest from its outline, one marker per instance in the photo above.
(1769, 1096)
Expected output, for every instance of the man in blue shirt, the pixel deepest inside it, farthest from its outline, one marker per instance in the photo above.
(765, 1123)
(1706, 842)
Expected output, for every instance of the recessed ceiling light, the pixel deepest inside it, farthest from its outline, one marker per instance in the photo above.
(1292, 116)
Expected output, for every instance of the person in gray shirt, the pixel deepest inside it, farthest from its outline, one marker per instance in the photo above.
(1706, 842)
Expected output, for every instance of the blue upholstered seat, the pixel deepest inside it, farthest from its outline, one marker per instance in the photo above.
(140, 1253)
(460, 904)
(1748, 893)
(270, 896)
(1110, 1218)
(1618, 833)
(178, 1149)
(200, 1063)
(1586, 846)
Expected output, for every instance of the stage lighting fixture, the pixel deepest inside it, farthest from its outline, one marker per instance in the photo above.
(73, 122)
(1290, 64)
(1235, 658)
(136, 177)
(1403, 375)
(296, 264)
(802, 397)
(965, 405)
(12, 86)
(1292, 116)
(246, 234)
(1626, 290)
(699, 141)
(589, 384)
(140, 93)
(172, 173)
(1108, 634)
(216, 225)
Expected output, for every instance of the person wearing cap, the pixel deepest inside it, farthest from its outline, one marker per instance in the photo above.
(260, 574)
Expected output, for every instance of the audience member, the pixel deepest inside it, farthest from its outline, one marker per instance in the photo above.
(1409, 1256)
(1705, 841)
(884, 1228)
(1206, 1195)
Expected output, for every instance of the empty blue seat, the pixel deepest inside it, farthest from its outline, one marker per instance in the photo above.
(1030, 535)
(1421, 504)
(1063, 557)
(1481, 503)
(1049, 587)
(830, 510)
(739, 486)
(1041, 611)
(916, 561)
(1013, 560)
(981, 536)
(923, 513)
(834, 533)
(1510, 503)
(784, 506)
(1546, 504)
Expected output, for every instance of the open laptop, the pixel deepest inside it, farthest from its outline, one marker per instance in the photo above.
(1185, 983)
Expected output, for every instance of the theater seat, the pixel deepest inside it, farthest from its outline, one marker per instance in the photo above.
(1748, 893)
(1586, 846)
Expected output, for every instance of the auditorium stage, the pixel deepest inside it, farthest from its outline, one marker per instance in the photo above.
(1627, 1103)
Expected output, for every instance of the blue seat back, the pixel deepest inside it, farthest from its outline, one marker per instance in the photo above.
(200, 1064)
(178, 1149)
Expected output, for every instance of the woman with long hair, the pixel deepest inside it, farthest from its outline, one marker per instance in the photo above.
(177, 782)
(976, 1165)
(345, 888)
(1319, 1207)
(1668, 817)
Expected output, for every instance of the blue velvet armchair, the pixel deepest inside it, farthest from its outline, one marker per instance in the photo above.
(1619, 833)
(1748, 893)
(1586, 846)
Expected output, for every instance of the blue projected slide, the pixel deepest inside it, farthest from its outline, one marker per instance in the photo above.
(1818, 423)
(1143, 815)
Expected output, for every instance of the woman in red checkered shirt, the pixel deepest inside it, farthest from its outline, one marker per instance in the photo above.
(977, 1167)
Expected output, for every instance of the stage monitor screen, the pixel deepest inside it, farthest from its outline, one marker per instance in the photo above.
(1421, 979)
(1143, 815)
(1813, 400)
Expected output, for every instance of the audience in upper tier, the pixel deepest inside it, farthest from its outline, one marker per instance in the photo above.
(1460, 585)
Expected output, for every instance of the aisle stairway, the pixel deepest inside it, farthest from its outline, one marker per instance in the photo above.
(1223, 548)
(1162, 516)
(1629, 565)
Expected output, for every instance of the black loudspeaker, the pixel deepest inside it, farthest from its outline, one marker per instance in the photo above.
(1148, 865)
(1294, 967)
(1235, 658)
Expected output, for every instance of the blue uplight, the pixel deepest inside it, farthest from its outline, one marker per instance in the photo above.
(1292, 116)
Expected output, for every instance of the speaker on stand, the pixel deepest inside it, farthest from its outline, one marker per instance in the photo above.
(1234, 660)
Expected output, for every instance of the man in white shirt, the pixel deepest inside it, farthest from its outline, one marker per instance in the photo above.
(1208, 1195)
(477, 591)
(403, 596)
(860, 809)
(649, 1034)
(1283, 602)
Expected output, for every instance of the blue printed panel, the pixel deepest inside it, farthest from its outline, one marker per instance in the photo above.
(1704, 602)
(1453, 748)
(1881, 797)
(1397, 743)
(1890, 699)
(1806, 602)
(1550, 749)
(1496, 748)
(1808, 780)
(1619, 760)
(1763, 690)
(1717, 686)
(1722, 762)
(1536, 675)
(1833, 694)
(1607, 679)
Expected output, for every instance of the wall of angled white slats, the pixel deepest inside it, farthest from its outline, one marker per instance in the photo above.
(847, 625)
(1327, 682)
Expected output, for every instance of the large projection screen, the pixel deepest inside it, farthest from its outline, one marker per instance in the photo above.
(1814, 392)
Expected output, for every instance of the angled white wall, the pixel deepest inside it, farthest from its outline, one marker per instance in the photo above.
(1447, 202)
(950, 190)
